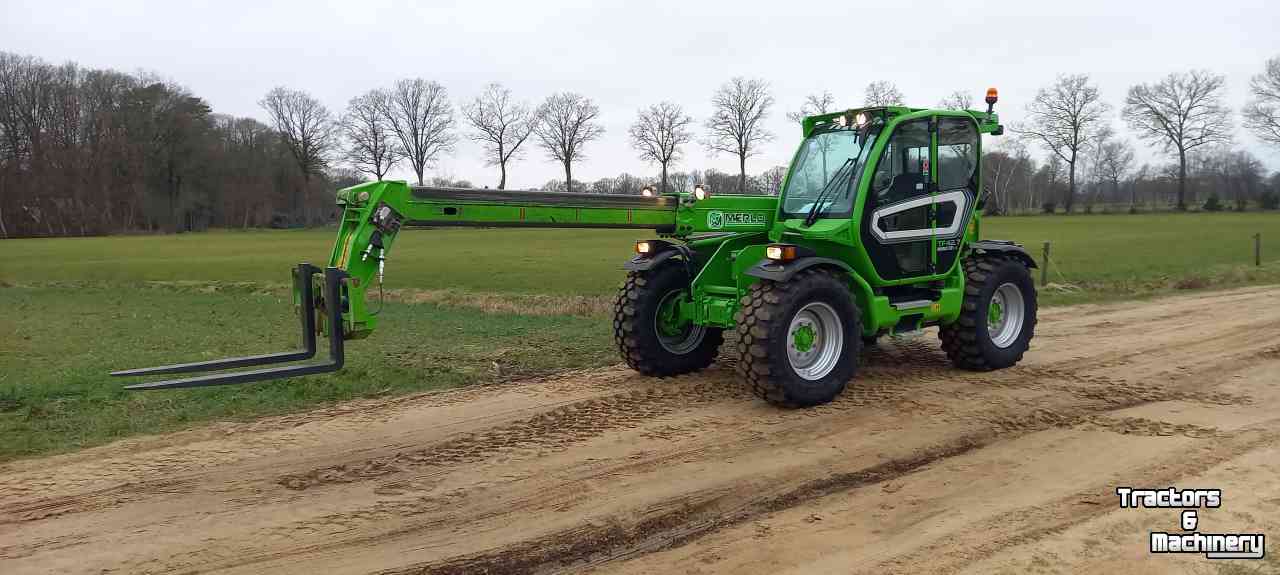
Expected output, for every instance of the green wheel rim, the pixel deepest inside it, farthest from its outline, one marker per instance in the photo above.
(674, 336)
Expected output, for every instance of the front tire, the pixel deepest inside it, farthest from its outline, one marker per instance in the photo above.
(997, 318)
(647, 339)
(799, 340)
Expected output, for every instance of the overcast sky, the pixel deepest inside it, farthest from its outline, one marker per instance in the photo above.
(630, 55)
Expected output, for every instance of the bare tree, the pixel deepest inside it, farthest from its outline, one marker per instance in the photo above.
(1234, 174)
(250, 146)
(883, 93)
(371, 147)
(1094, 180)
(307, 129)
(735, 126)
(565, 123)
(998, 164)
(679, 182)
(1139, 179)
(771, 180)
(1183, 111)
(501, 126)
(658, 133)
(1053, 173)
(1262, 113)
(1066, 117)
(1115, 161)
(814, 104)
(957, 100)
(421, 117)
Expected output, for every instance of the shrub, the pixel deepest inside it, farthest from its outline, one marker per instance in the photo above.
(1213, 204)
(1269, 201)
(1048, 207)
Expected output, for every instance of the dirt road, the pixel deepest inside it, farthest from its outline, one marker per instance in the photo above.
(917, 468)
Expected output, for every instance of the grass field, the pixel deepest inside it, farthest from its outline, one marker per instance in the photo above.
(499, 304)
(1103, 252)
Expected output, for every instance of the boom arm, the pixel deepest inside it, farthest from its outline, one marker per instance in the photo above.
(374, 213)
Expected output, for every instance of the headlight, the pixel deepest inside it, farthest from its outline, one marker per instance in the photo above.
(780, 253)
(699, 192)
(644, 248)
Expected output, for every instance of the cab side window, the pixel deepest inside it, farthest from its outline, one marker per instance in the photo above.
(903, 170)
(957, 162)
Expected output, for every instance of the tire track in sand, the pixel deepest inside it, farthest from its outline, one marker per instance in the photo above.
(556, 449)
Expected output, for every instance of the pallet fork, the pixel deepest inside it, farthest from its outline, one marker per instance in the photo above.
(307, 304)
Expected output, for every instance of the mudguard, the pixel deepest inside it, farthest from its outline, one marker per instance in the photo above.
(1004, 247)
(665, 251)
(782, 271)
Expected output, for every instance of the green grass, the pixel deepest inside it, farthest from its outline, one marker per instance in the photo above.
(1107, 257)
(491, 260)
(57, 345)
(1102, 253)
(77, 308)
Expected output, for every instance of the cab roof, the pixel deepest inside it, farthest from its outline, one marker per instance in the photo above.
(988, 123)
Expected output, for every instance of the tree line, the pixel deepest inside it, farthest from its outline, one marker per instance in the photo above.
(1183, 115)
(89, 151)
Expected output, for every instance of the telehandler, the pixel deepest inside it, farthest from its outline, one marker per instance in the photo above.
(876, 231)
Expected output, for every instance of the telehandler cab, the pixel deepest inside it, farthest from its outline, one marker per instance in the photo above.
(876, 231)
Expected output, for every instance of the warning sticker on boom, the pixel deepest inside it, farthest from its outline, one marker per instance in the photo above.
(718, 220)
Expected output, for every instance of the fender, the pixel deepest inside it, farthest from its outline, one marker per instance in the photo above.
(663, 251)
(1004, 247)
(782, 271)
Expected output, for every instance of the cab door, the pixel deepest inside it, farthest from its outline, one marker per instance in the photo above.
(958, 150)
(920, 196)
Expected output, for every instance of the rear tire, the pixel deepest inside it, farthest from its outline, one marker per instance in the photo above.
(997, 318)
(799, 340)
(639, 335)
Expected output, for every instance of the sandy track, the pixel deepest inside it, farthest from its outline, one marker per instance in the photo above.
(916, 468)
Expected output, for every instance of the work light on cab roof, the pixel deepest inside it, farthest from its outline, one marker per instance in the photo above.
(875, 231)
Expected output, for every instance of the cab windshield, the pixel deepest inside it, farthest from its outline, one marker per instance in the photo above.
(832, 158)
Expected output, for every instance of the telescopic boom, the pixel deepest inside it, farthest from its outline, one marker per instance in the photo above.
(374, 214)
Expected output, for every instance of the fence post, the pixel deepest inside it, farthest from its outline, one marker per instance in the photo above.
(1044, 266)
(1257, 249)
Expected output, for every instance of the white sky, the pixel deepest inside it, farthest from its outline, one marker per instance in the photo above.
(630, 55)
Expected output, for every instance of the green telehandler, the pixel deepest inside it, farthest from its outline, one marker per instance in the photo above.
(876, 231)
